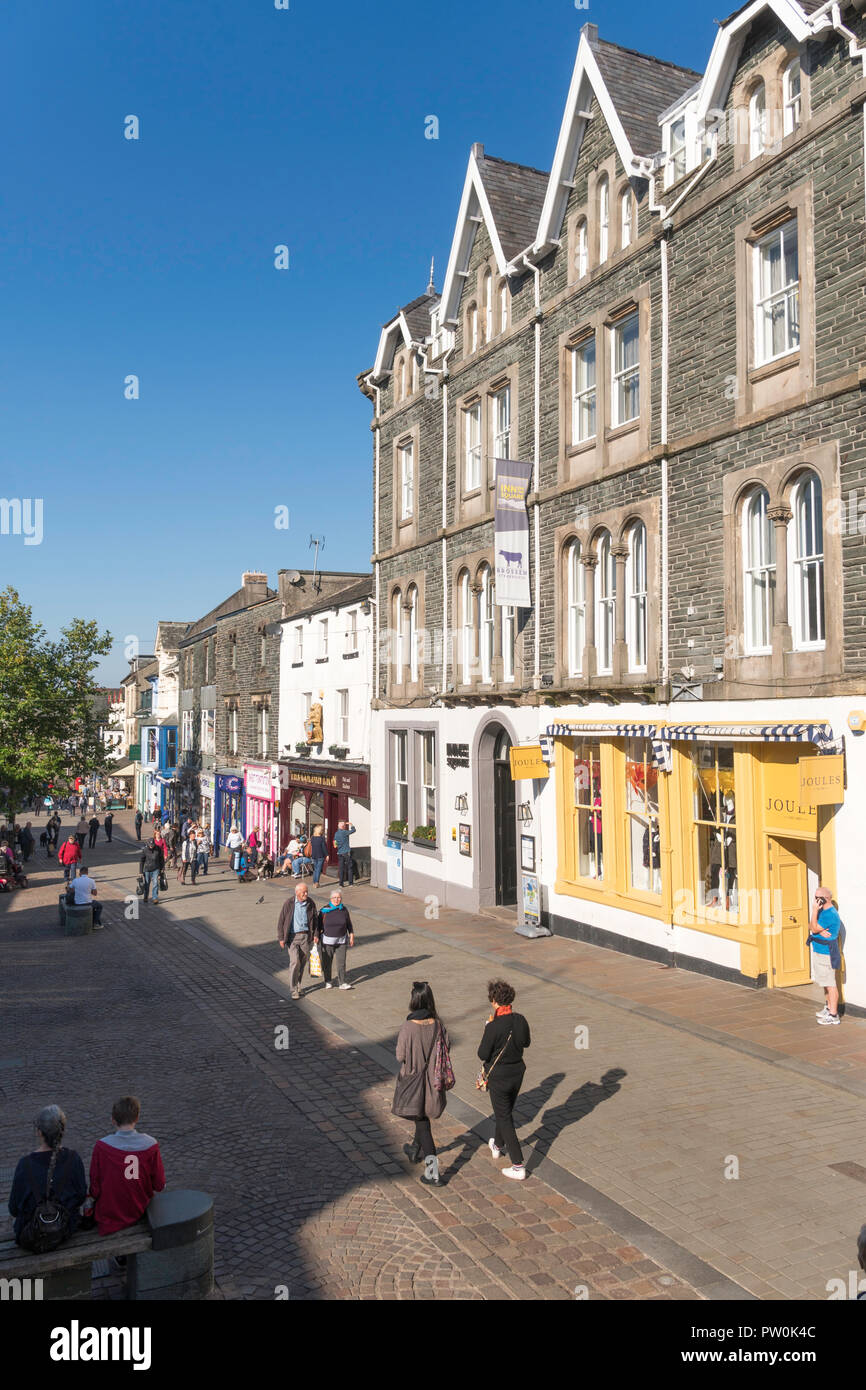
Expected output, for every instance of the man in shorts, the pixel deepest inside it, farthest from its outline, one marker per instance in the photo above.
(824, 941)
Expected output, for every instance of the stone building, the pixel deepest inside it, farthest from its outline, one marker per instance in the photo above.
(665, 328)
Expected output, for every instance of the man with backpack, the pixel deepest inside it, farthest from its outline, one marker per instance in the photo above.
(69, 855)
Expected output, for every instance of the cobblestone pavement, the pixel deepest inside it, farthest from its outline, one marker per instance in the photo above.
(685, 1081)
(314, 1199)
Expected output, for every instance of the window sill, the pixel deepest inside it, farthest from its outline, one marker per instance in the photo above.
(350, 656)
(778, 364)
(619, 431)
(320, 660)
(581, 447)
(296, 664)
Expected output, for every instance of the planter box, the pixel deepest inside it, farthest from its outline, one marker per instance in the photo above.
(424, 844)
(339, 752)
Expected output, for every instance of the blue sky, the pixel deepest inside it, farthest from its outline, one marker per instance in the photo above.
(155, 257)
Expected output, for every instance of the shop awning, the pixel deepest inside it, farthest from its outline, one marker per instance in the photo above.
(663, 735)
(128, 770)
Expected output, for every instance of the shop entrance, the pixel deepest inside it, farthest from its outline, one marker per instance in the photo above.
(789, 887)
(504, 826)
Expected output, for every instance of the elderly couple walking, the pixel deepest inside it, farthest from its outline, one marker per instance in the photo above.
(302, 926)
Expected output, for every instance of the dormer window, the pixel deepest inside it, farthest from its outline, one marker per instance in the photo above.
(582, 255)
(791, 103)
(678, 148)
(758, 121)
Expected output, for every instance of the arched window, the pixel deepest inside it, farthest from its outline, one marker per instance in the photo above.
(806, 549)
(412, 615)
(397, 636)
(635, 584)
(605, 607)
(576, 600)
(401, 380)
(603, 218)
(791, 107)
(414, 377)
(503, 307)
(759, 571)
(488, 307)
(467, 630)
(485, 624)
(472, 328)
(678, 149)
(582, 252)
(625, 218)
(757, 121)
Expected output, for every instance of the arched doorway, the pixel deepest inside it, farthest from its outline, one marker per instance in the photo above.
(497, 829)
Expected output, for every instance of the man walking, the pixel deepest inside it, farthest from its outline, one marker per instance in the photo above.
(93, 825)
(296, 929)
(344, 852)
(27, 842)
(138, 819)
(108, 825)
(150, 866)
(826, 957)
(81, 832)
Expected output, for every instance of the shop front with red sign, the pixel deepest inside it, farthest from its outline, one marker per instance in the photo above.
(318, 793)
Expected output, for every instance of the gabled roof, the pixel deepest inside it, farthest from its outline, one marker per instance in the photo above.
(411, 324)
(508, 199)
(631, 90)
(731, 36)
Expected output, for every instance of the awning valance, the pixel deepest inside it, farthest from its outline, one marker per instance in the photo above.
(663, 736)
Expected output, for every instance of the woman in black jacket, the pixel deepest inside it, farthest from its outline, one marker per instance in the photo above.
(501, 1051)
(68, 1183)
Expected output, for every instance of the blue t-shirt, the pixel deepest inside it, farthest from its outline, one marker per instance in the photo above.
(829, 919)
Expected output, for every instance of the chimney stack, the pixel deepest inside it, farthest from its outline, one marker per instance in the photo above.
(255, 585)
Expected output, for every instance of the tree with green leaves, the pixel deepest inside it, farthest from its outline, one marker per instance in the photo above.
(49, 725)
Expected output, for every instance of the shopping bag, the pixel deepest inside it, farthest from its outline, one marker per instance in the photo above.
(315, 961)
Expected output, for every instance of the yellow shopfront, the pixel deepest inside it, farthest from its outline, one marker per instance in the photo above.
(705, 832)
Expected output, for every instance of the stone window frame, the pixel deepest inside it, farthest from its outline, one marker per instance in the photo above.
(617, 521)
(779, 477)
(624, 186)
(407, 689)
(477, 503)
(474, 563)
(770, 71)
(231, 705)
(794, 373)
(614, 447)
(472, 306)
(262, 637)
(258, 703)
(413, 772)
(405, 533)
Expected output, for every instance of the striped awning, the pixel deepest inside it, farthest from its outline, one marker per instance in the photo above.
(662, 736)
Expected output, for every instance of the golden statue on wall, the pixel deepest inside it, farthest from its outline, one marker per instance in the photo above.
(313, 723)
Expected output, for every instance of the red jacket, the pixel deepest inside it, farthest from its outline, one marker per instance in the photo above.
(69, 853)
(125, 1171)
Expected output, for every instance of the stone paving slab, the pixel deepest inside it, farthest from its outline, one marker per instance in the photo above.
(313, 1196)
(651, 1114)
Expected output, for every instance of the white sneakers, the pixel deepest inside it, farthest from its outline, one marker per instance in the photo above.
(497, 1153)
(515, 1171)
(346, 986)
(828, 1020)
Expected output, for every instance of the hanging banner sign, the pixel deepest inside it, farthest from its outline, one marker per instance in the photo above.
(511, 532)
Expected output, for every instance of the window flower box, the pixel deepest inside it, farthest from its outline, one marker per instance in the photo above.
(338, 750)
(302, 749)
(425, 836)
(398, 830)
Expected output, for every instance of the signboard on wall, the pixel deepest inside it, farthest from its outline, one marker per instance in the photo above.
(822, 780)
(531, 900)
(394, 864)
(783, 811)
(465, 839)
(527, 762)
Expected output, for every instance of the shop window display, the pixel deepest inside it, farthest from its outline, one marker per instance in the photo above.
(716, 827)
(642, 811)
(587, 802)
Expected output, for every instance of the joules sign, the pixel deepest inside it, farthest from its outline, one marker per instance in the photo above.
(822, 780)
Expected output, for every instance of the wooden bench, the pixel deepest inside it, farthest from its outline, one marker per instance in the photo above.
(169, 1255)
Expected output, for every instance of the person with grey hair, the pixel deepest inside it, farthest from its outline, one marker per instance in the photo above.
(48, 1168)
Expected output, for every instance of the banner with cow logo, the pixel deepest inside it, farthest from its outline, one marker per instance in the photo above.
(511, 532)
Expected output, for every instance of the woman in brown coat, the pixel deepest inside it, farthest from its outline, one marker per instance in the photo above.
(416, 1050)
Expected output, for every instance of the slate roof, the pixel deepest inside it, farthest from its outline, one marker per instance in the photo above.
(516, 195)
(231, 604)
(338, 598)
(641, 88)
(417, 316)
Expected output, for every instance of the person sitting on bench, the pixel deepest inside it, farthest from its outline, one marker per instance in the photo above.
(68, 1183)
(85, 895)
(125, 1170)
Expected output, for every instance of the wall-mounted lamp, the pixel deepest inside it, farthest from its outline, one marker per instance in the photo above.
(524, 811)
(367, 606)
(462, 804)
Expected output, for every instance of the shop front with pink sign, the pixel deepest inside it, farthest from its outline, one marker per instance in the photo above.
(262, 809)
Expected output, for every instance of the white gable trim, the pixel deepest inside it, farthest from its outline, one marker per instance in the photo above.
(586, 80)
(473, 202)
(386, 338)
(725, 55)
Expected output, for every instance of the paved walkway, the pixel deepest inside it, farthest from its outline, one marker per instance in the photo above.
(313, 1196)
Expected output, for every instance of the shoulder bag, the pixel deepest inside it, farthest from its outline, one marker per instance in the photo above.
(482, 1080)
(443, 1072)
(48, 1227)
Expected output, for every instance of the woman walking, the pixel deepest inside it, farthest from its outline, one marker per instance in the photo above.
(502, 1046)
(419, 1094)
(336, 934)
(318, 851)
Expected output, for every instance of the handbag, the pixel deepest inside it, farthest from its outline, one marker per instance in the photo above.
(482, 1080)
(48, 1227)
(163, 882)
(409, 1095)
(315, 961)
(139, 886)
(443, 1072)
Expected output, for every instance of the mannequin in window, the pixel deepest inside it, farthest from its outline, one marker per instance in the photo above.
(723, 838)
(652, 838)
(593, 832)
